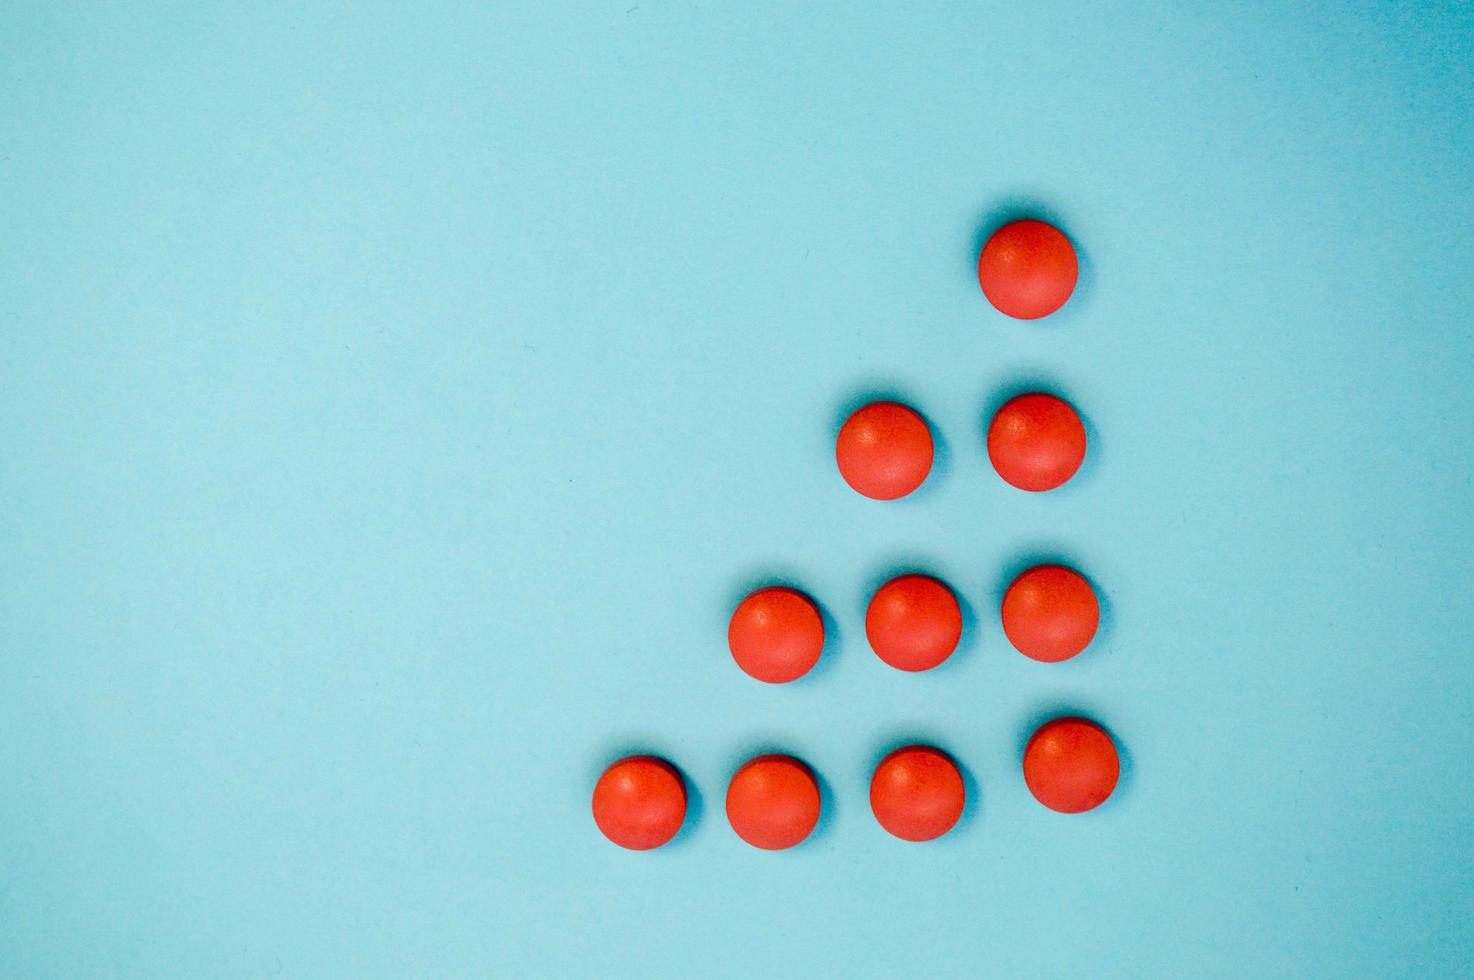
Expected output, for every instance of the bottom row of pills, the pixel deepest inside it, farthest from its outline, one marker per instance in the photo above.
(917, 792)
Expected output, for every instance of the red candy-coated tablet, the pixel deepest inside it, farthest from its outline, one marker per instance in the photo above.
(913, 622)
(884, 450)
(1071, 765)
(917, 793)
(773, 802)
(639, 802)
(1028, 269)
(1050, 613)
(1036, 442)
(776, 634)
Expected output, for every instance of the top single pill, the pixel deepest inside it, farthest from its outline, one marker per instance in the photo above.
(1028, 269)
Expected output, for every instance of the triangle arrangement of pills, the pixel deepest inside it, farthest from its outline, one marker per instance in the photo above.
(1036, 442)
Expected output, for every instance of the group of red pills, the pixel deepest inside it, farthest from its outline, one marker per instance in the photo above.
(1050, 613)
(914, 623)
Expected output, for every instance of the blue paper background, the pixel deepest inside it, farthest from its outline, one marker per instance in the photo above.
(396, 399)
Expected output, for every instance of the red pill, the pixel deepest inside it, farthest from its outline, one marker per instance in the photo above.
(884, 450)
(1071, 765)
(913, 622)
(917, 793)
(1050, 613)
(1036, 442)
(1028, 269)
(776, 634)
(773, 802)
(639, 802)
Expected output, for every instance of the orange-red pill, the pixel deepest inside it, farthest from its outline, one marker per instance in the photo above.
(773, 802)
(640, 802)
(917, 793)
(1071, 765)
(1028, 269)
(776, 634)
(1050, 613)
(913, 622)
(1036, 442)
(884, 450)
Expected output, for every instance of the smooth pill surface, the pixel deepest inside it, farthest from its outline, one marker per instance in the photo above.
(884, 450)
(776, 634)
(639, 802)
(1050, 613)
(773, 802)
(913, 622)
(1028, 269)
(1036, 442)
(1071, 765)
(917, 793)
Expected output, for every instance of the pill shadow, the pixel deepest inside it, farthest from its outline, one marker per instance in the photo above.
(828, 811)
(695, 813)
(1066, 707)
(879, 390)
(899, 738)
(828, 808)
(1017, 206)
(1028, 381)
(1057, 554)
(786, 577)
(895, 567)
(628, 745)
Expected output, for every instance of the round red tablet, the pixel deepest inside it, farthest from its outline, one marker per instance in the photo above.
(639, 802)
(1071, 765)
(1036, 442)
(1050, 613)
(776, 634)
(884, 450)
(913, 622)
(1028, 269)
(917, 793)
(773, 802)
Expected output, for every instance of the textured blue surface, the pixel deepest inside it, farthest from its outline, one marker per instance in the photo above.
(396, 401)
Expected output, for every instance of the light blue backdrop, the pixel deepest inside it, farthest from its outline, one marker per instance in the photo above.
(396, 399)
